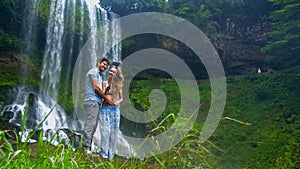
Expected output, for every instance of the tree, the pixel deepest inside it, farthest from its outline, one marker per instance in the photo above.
(284, 48)
(11, 20)
(11, 15)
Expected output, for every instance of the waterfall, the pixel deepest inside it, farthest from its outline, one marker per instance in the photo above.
(92, 8)
(53, 51)
(29, 31)
(59, 46)
(29, 27)
(112, 34)
(70, 40)
(116, 37)
(81, 21)
(62, 44)
(99, 17)
(36, 106)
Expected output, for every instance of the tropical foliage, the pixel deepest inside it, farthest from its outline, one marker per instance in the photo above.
(11, 20)
(260, 129)
(261, 124)
(284, 47)
(209, 15)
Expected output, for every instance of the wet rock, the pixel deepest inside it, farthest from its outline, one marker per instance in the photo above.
(298, 166)
(73, 137)
(32, 103)
(6, 116)
(10, 129)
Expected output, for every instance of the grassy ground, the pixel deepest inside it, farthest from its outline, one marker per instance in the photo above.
(260, 129)
(270, 102)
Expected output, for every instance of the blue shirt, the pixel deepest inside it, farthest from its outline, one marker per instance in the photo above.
(90, 93)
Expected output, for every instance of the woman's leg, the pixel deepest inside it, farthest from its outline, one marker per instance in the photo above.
(104, 131)
(115, 121)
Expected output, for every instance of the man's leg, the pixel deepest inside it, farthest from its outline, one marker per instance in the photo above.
(92, 109)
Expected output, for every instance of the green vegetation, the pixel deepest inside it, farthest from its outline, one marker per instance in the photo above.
(11, 20)
(260, 129)
(8, 79)
(44, 155)
(261, 121)
(270, 104)
(8, 41)
(284, 47)
(209, 15)
(13, 15)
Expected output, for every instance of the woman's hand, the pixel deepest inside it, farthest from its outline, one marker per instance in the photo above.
(118, 102)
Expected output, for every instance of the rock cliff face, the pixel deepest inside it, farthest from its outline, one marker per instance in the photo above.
(11, 64)
(15, 68)
(239, 56)
(10, 60)
(239, 45)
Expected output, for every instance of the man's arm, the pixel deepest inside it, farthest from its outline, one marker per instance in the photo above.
(100, 92)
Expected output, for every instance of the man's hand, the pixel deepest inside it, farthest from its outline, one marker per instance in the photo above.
(110, 101)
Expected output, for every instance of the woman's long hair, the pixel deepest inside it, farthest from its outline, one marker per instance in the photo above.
(117, 82)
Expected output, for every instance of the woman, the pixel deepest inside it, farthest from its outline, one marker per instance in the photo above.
(110, 114)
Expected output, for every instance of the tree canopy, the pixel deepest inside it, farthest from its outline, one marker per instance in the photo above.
(209, 15)
(284, 48)
(11, 20)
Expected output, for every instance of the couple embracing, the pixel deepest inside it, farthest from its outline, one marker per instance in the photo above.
(102, 99)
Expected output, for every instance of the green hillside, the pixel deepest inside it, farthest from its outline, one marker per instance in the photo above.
(270, 103)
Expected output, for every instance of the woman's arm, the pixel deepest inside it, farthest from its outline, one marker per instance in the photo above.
(120, 96)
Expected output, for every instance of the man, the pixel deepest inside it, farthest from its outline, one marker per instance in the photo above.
(93, 101)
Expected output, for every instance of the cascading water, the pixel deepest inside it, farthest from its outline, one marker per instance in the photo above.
(92, 8)
(29, 31)
(53, 51)
(41, 107)
(110, 35)
(52, 64)
(30, 103)
(35, 106)
(116, 37)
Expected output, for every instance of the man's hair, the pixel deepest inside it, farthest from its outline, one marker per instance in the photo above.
(102, 60)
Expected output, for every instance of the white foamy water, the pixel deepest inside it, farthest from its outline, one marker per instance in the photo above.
(43, 107)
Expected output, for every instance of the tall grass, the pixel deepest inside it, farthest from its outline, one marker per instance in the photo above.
(17, 154)
(258, 130)
(45, 155)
